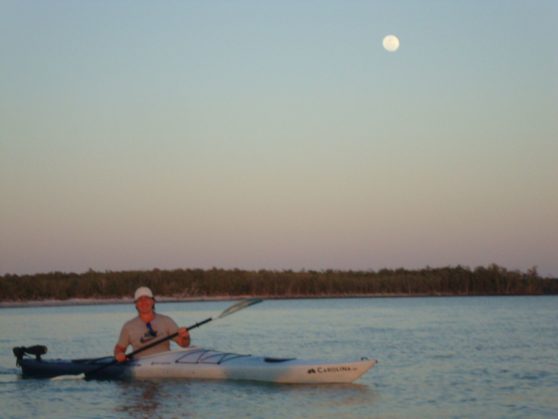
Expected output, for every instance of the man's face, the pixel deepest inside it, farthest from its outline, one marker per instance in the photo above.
(144, 304)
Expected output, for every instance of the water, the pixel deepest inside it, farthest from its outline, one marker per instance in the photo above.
(491, 357)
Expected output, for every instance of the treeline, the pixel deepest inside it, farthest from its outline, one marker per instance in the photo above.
(198, 283)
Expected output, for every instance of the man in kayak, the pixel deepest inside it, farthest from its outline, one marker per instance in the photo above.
(148, 327)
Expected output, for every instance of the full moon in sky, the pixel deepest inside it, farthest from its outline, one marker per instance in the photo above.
(391, 43)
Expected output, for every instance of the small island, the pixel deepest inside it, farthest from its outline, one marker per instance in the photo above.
(203, 284)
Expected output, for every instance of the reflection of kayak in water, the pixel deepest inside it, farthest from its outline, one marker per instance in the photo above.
(199, 363)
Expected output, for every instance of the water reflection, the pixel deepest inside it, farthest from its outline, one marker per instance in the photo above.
(140, 398)
(182, 398)
(331, 395)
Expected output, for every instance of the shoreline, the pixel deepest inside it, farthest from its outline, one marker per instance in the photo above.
(179, 299)
(104, 301)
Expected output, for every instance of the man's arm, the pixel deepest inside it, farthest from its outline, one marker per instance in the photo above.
(120, 353)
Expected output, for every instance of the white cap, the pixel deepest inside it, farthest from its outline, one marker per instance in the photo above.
(142, 292)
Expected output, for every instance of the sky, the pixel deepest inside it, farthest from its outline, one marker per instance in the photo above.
(137, 135)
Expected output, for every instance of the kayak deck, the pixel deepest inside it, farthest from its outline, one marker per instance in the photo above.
(201, 363)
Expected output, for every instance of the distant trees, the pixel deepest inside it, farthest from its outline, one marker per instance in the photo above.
(491, 280)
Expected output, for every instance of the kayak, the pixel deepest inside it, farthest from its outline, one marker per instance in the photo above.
(200, 363)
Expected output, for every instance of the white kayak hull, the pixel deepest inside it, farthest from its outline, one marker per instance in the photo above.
(199, 363)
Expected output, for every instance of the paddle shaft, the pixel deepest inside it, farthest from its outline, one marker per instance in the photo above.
(143, 348)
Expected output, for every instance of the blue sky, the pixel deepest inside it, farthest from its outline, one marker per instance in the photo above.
(278, 135)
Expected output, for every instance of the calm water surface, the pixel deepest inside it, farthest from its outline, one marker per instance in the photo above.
(490, 357)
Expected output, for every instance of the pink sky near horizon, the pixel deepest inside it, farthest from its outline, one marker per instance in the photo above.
(281, 136)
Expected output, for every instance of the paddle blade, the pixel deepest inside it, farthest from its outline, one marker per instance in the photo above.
(239, 306)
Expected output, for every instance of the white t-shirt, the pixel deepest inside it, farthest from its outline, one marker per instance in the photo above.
(136, 333)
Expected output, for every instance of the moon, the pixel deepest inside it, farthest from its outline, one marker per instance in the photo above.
(391, 43)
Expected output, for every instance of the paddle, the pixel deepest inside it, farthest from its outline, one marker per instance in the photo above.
(227, 312)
